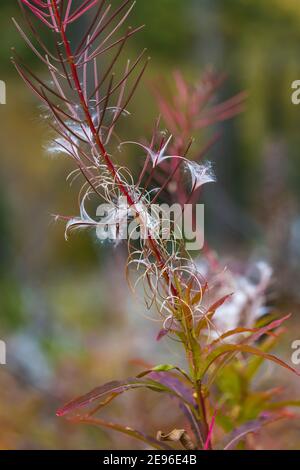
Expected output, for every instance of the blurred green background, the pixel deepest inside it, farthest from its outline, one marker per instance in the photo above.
(67, 316)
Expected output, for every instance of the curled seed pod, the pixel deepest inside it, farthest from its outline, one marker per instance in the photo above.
(177, 435)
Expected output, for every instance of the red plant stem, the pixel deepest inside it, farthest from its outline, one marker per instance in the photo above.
(84, 105)
(98, 141)
(111, 168)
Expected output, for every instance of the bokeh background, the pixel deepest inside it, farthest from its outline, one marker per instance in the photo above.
(66, 313)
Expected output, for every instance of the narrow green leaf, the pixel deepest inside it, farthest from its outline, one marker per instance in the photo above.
(228, 348)
(164, 368)
(116, 387)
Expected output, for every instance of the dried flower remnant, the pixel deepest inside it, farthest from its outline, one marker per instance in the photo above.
(177, 435)
(156, 157)
(201, 174)
(85, 124)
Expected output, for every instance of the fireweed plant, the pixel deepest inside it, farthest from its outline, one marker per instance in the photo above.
(216, 315)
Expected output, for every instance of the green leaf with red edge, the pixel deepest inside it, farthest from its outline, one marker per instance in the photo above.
(244, 348)
(256, 332)
(265, 329)
(115, 387)
(256, 362)
(266, 319)
(164, 368)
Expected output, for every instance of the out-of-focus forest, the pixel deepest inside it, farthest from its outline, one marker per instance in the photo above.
(67, 316)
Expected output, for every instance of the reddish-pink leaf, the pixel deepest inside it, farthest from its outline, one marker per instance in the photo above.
(245, 348)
